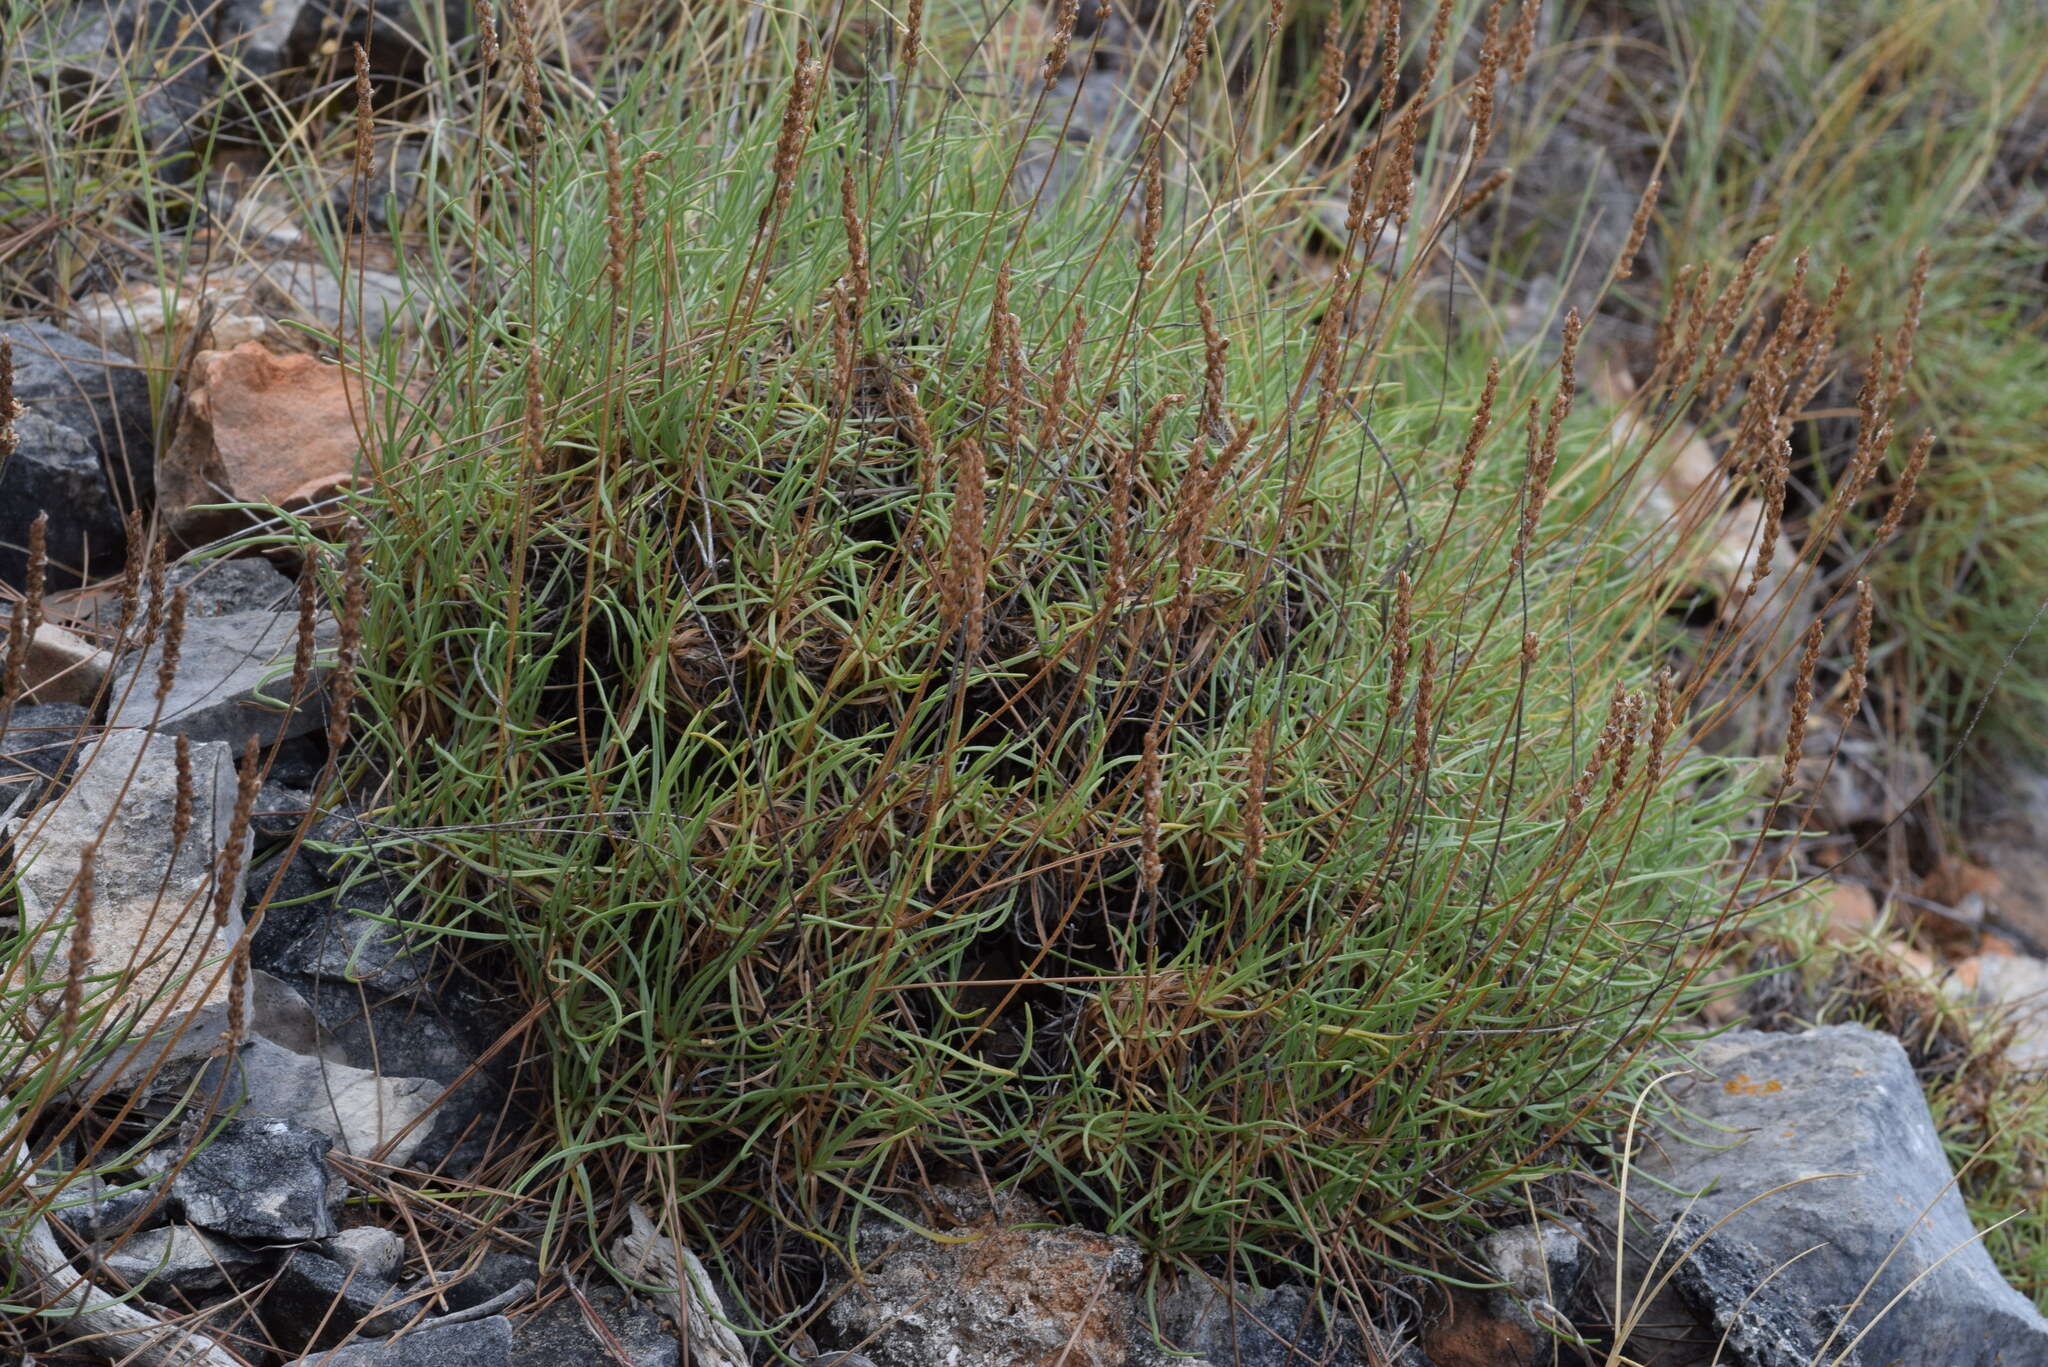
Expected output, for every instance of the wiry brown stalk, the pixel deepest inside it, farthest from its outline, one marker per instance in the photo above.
(1483, 191)
(1638, 229)
(1063, 375)
(1152, 802)
(1475, 436)
(1425, 709)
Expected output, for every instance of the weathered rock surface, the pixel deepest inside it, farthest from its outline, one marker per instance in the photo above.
(478, 1343)
(1730, 1287)
(96, 1210)
(1799, 1108)
(261, 1181)
(1001, 1297)
(1542, 1266)
(560, 1336)
(154, 930)
(258, 428)
(38, 746)
(233, 681)
(178, 1257)
(85, 453)
(2012, 992)
(1254, 1327)
(364, 1112)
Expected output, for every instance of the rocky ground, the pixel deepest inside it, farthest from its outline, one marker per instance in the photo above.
(221, 1189)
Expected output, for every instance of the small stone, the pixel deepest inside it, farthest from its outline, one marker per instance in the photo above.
(220, 588)
(495, 1273)
(2009, 991)
(333, 919)
(178, 1257)
(233, 681)
(1542, 1265)
(479, 1343)
(62, 667)
(263, 1181)
(1253, 1326)
(369, 1250)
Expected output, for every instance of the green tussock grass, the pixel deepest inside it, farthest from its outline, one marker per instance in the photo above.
(865, 745)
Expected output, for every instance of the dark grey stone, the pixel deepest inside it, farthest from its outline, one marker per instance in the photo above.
(279, 810)
(1769, 1119)
(495, 1273)
(1730, 1288)
(220, 588)
(263, 1181)
(392, 31)
(316, 1302)
(39, 746)
(479, 1343)
(86, 452)
(334, 919)
(559, 1336)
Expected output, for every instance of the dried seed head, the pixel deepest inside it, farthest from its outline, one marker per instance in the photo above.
(1535, 485)
(1479, 108)
(1214, 347)
(174, 639)
(1153, 214)
(1777, 472)
(618, 225)
(181, 804)
(1425, 705)
(1398, 647)
(78, 962)
(913, 36)
(1522, 40)
(27, 618)
(856, 243)
(1152, 802)
(1482, 422)
(1909, 480)
(1638, 229)
(228, 875)
(1483, 191)
(1330, 66)
(1200, 23)
(1258, 777)
(355, 589)
(1902, 349)
(1068, 15)
(1802, 703)
(487, 35)
(365, 128)
(302, 655)
(1859, 658)
(9, 408)
(1662, 718)
(967, 585)
(797, 109)
(527, 56)
(1063, 380)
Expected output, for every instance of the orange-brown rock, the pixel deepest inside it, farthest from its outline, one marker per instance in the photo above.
(262, 429)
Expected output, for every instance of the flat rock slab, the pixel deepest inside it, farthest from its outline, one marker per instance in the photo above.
(262, 1181)
(38, 746)
(156, 945)
(1773, 1109)
(233, 681)
(480, 1343)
